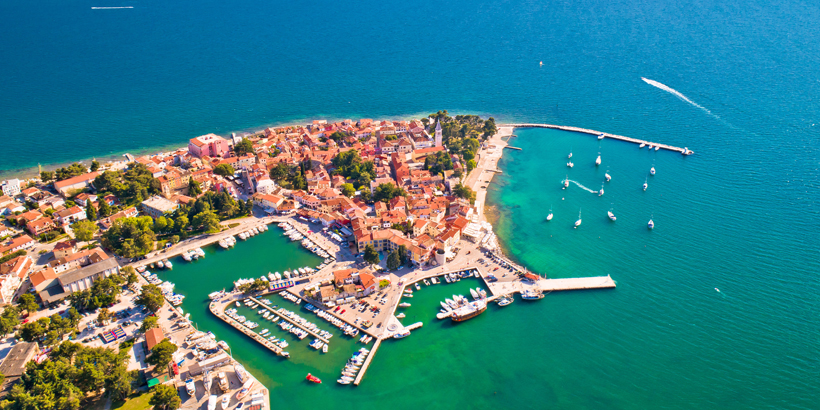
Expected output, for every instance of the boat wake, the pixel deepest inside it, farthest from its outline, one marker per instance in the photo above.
(583, 187)
(677, 93)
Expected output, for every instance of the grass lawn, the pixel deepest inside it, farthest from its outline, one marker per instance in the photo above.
(133, 402)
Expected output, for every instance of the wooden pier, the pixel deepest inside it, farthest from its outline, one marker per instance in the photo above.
(597, 133)
(596, 282)
(312, 333)
(367, 361)
(215, 309)
(511, 147)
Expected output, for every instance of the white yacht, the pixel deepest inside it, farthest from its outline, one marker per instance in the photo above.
(643, 144)
(645, 185)
(549, 217)
(600, 137)
(650, 225)
(652, 171)
(657, 147)
(570, 154)
(611, 215)
(160, 264)
(601, 192)
(608, 177)
(570, 164)
(598, 160)
(578, 222)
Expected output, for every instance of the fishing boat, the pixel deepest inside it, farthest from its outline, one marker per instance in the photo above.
(469, 310)
(212, 402)
(313, 379)
(652, 171)
(607, 176)
(226, 399)
(190, 387)
(650, 225)
(645, 185)
(598, 160)
(578, 222)
(505, 300)
(610, 215)
(549, 216)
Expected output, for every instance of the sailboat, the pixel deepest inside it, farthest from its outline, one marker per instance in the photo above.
(598, 160)
(566, 182)
(652, 171)
(645, 185)
(611, 215)
(601, 192)
(549, 217)
(578, 222)
(607, 176)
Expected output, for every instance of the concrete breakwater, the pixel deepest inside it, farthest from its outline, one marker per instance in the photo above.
(684, 151)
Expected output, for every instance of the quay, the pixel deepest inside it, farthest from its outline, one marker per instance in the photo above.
(367, 361)
(312, 333)
(596, 282)
(596, 133)
(511, 147)
(217, 308)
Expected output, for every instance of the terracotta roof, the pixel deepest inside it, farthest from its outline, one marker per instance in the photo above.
(75, 180)
(153, 337)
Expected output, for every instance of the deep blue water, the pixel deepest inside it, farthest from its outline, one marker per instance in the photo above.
(742, 213)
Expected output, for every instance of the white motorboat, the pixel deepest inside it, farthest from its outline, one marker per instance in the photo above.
(226, 399)
(566, 182)
(601, 192)
(645, 185)
(600, 137)
(446, 306)
(598, 160)
(169, 265)
(160, 264)
(650, 147)
(570, 164)
(651, 225)
(190, 386)
(186, 256)
(404, 304)
(324, 348)
(608, 178)
(570, 154)
(578, 222)
(652, 171)
(223, 244)
(611, 215)
(473, 293)
(212, 402)
(549, 216)
(643, 144)
(505, 300)
(418, 287)
(657, 147)
(451, 303)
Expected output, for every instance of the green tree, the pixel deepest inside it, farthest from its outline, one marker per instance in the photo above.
(193, 188)
(463, 191)
(149, 323)
(28, 302)
(118, 382)
(393, 260)
(84, 230)
(224, 170)
(370, 255)
(338, 137)
(364, 193)
(151, 298)
(35, 330)
(46, 176)
(386, 192)
(181, 222)
(243, 147)
(165, 397)
(160, 224)
(72, 170)
(402, 251)
(489, 128)
(207, 221)
(95, 165)
(255, 286)
(348, 190)
(103, 316)
(471, 164)
(130, 237)
(91, 212)
(130, 275)
(279, 172)
(162, 354)
(105, 209)
(9, 319)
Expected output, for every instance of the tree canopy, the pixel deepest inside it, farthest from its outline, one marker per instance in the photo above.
(348, 190)
(28, 302)
(393, 260)
(243, 147)
(463, 191)
(151, 298)
(165, 397)
(103, 292)
(224, 170)
(350, 165)
(371, 256)
(84, 230)
(130, 237)
(70, 171)
(386, 192)
(131, 187)
(162, 354)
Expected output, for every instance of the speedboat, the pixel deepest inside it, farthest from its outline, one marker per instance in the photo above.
(645, 185)
(578, 222)
(651, 225)
(190, 386)
(417, 286)
(549, 217)
(226, 399)
(600, 137)
(168, 265)
(566, 182)
(404, 304)
(401, 335)
(160, 264)
(652, 171)
(313, 379)
(643, 144)
(611, 215)
(601, 192)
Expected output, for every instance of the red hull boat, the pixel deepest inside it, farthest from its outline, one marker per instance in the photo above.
(312, 378)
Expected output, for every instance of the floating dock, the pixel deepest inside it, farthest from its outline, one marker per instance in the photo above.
(367, 361)
(312, 333)
(597, 133)
(215, 309)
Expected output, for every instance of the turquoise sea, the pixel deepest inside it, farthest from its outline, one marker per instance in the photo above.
(735, 81)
